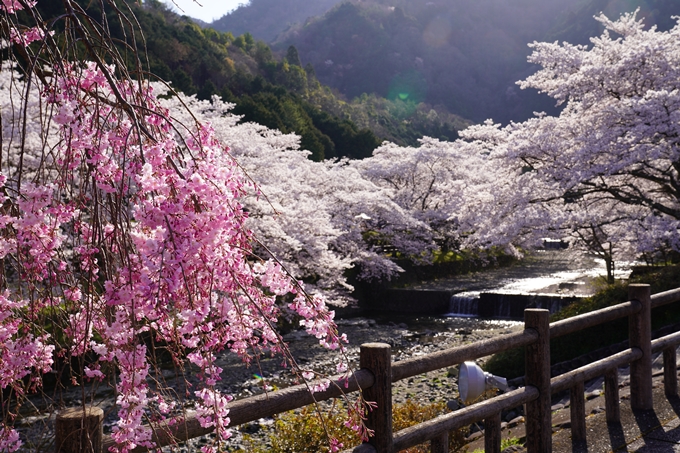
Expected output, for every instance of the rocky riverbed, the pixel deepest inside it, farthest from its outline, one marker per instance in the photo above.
(408, 338)
(418, 337)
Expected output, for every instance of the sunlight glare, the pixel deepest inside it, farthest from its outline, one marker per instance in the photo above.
(205, 10)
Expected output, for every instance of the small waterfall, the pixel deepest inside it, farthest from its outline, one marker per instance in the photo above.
(464, 305)
(504, 305)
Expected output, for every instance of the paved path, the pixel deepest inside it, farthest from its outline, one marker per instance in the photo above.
(655, 431)
(640, 431)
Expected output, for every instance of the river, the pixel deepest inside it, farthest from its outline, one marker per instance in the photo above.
(560, 272)
(545, 279)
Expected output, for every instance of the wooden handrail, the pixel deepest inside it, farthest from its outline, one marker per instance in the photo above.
(425, 431)
(662, 343)
(596, 317)
(534, 336)
(453, 356)
(593, 318)
(666, 297)
(593, 370)
(254, 408)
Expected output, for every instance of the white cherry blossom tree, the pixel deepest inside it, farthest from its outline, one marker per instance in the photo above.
(609, 162)
(318, 218)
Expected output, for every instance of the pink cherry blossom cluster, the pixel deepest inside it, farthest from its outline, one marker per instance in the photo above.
(356, 417)
(185, 273)
(26, 36)
(212, 410)
(12, 6)
(126, 234)
(9, 440)
(22, 35)
(22, 351)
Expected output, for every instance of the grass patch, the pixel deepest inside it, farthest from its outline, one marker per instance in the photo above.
(509, 442)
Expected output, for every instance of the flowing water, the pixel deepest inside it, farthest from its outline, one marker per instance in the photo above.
(547, 279)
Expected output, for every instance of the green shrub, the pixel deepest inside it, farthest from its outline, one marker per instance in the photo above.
(303, 431)
(510, 364)
(606, 296)
(411, 413)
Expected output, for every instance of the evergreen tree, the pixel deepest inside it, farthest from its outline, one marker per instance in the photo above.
(292, 56)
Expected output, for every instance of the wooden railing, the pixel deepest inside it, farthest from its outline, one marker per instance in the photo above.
(377, 374)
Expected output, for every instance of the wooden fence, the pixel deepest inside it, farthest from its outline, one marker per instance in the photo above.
(377, 373)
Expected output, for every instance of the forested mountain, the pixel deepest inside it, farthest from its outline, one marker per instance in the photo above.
(463, 55)
(275, 91)
(266, 19)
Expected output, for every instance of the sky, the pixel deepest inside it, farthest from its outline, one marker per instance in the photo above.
(209, 11)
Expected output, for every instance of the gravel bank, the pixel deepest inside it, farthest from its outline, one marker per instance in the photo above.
(420, 336)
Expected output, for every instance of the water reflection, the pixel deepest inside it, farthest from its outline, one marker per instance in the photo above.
(544, 271)
(548, 279)
(444, 323)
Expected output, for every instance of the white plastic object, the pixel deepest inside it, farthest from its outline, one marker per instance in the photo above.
(472, 382)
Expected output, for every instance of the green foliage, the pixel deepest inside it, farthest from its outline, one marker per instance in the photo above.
(412, 412)
(509, 442)
(292, 56)
(510, 364)
(246, 72)
(401, 122)
(304, 432)
(207, 90)
(282, 111)
(182, 82)
(245, 42)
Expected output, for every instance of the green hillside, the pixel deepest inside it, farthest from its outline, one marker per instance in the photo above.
(273, 90)
(464, 56)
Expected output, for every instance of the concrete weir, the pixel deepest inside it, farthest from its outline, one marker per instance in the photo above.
(491, 305)
(511, 306)
(416, 302)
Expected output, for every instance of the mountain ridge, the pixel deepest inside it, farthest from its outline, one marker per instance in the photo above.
(465, 55)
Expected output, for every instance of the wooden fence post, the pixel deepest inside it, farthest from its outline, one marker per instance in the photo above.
(537, 372)
(79, 430)
(577, 412)
(670, 370)
(440, 444)
(611, 396)
(377, 358)
(492, 433)
(640, 336)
